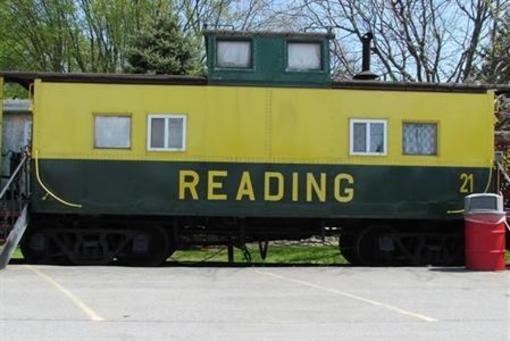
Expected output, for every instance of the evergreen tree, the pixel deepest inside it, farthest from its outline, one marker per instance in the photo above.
(161, 48)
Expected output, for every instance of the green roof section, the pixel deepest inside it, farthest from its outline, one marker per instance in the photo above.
(268, 58)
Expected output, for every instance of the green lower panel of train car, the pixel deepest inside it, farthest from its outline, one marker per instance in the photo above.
(255, 190)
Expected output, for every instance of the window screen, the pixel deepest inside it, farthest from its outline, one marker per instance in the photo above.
(368, 137)
(175, 132)
(420, 138)
(112, 132)
(304, 56)
(234, 54)
(167, 132)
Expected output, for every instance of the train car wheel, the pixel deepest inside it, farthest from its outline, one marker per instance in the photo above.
(375, 246)
(38, 247)
(148, 247)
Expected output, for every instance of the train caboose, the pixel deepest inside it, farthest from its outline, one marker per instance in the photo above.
(129, 168)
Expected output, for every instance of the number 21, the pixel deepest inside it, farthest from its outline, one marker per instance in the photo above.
(466, 183)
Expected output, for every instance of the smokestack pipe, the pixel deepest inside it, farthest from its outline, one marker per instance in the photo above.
(365, 73)
(366, 40)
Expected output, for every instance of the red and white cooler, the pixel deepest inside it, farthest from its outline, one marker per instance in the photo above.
(485, 225)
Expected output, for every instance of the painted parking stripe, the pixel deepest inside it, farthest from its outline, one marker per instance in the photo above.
(352, 296)
(82, 306)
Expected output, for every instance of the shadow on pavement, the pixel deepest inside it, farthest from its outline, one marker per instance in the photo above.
(209, 264)
(250, 265)
(460, 269)
(212, 264)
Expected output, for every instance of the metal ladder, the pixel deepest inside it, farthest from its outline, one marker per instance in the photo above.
(14, 198)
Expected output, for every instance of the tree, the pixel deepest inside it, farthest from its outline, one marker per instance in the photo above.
(71, 35)
(246, 15)
(93, 35)
(414, 40)
(107, 25)
(161, 48)
(496, 64)
(34, 34)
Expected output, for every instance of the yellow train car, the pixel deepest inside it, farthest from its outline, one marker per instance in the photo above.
(132, 167)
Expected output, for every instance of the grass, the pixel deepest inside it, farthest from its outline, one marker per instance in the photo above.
(277, 254)
(17, 254)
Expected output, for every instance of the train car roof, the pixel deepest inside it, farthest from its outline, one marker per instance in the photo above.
(411, 86)
(244, 34)
(26, 78)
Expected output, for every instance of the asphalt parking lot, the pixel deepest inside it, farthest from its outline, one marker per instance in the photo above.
(252, 303)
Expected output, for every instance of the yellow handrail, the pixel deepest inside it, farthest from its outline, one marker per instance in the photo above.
(488, 181)
(54, 196)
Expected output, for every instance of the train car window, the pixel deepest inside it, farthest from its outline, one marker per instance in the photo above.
(167, 132)
(112, 131)
(368, 137)
(158, 132)
(420, 138)
(233, 54)
(304, 56)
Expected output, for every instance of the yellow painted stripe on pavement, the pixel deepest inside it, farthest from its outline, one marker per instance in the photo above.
(352, 296)
(82, 306)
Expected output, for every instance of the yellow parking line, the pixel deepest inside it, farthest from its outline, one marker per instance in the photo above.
(91, 314)
(349, 295)
(12, 268)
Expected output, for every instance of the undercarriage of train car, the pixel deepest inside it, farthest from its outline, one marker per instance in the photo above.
(149, 241)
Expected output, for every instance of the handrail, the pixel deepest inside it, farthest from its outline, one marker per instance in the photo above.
(50, 193)
(14, 175)
(503, 171)
(14, 238)
(14, 198)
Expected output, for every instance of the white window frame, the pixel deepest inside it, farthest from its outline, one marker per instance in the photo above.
(166, 117)
(367, 122)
